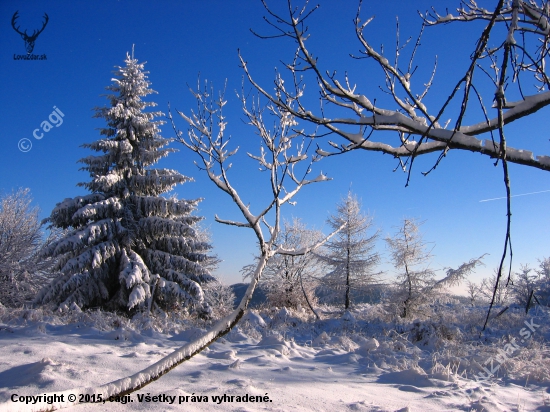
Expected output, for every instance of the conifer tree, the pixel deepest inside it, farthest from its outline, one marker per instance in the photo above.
(128, 247)
(415, 284)
(415, 279)
(350, 254)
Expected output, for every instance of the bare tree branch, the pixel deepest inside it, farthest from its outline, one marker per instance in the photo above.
(412, 117)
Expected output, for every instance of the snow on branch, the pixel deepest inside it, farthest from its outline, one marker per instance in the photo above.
(411, 117)
(281, 250)
(454, 277)
(283, 149)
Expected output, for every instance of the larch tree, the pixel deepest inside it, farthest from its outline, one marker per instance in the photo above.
(350, 255)
(415, 284)
(129, 246)
(411, 259)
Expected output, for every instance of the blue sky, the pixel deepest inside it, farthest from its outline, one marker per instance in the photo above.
(83, 41)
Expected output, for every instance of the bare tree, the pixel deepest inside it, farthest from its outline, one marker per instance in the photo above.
(503, 293)
(416, 284)
(22, 272)
(508, 72)
(283, 156)
(290, 280)
(473, 292)
(350, 254)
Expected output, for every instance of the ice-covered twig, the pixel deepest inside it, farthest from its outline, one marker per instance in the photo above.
(307, 249)
(412, 116)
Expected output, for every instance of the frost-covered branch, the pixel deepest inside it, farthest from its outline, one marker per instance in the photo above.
(306, 249)
(282, 151)
(454, 277)
(419, 129)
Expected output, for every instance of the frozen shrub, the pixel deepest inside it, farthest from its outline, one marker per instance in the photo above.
(290, 280)
(22, 271)
(503, 293)
(220, 298)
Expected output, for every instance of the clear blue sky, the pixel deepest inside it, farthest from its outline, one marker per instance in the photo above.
(179, 39)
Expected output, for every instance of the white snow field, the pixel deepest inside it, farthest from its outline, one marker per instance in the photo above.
(278, 360)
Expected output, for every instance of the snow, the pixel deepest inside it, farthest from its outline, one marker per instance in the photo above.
(282, 361)
(545, 160)
(525, 155)
(322, 152)
(321, 178)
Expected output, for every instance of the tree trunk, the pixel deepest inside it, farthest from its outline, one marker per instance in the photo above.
(347, 273)
(307, 299)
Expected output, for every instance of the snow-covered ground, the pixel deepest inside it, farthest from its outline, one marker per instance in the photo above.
(282, 361)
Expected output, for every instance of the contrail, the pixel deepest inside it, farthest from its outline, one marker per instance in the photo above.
(523, 194)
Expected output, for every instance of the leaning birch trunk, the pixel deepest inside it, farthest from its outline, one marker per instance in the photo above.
(132, 383)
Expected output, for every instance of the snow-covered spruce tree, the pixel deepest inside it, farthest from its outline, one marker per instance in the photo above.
(350, 255)
(415, 284)
(128, 247)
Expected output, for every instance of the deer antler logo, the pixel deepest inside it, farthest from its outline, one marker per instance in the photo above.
(29, 40)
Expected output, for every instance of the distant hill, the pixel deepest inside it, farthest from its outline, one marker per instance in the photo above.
(372, 296)
(239, 289)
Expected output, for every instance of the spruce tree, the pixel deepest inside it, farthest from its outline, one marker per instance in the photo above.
(128, 247)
